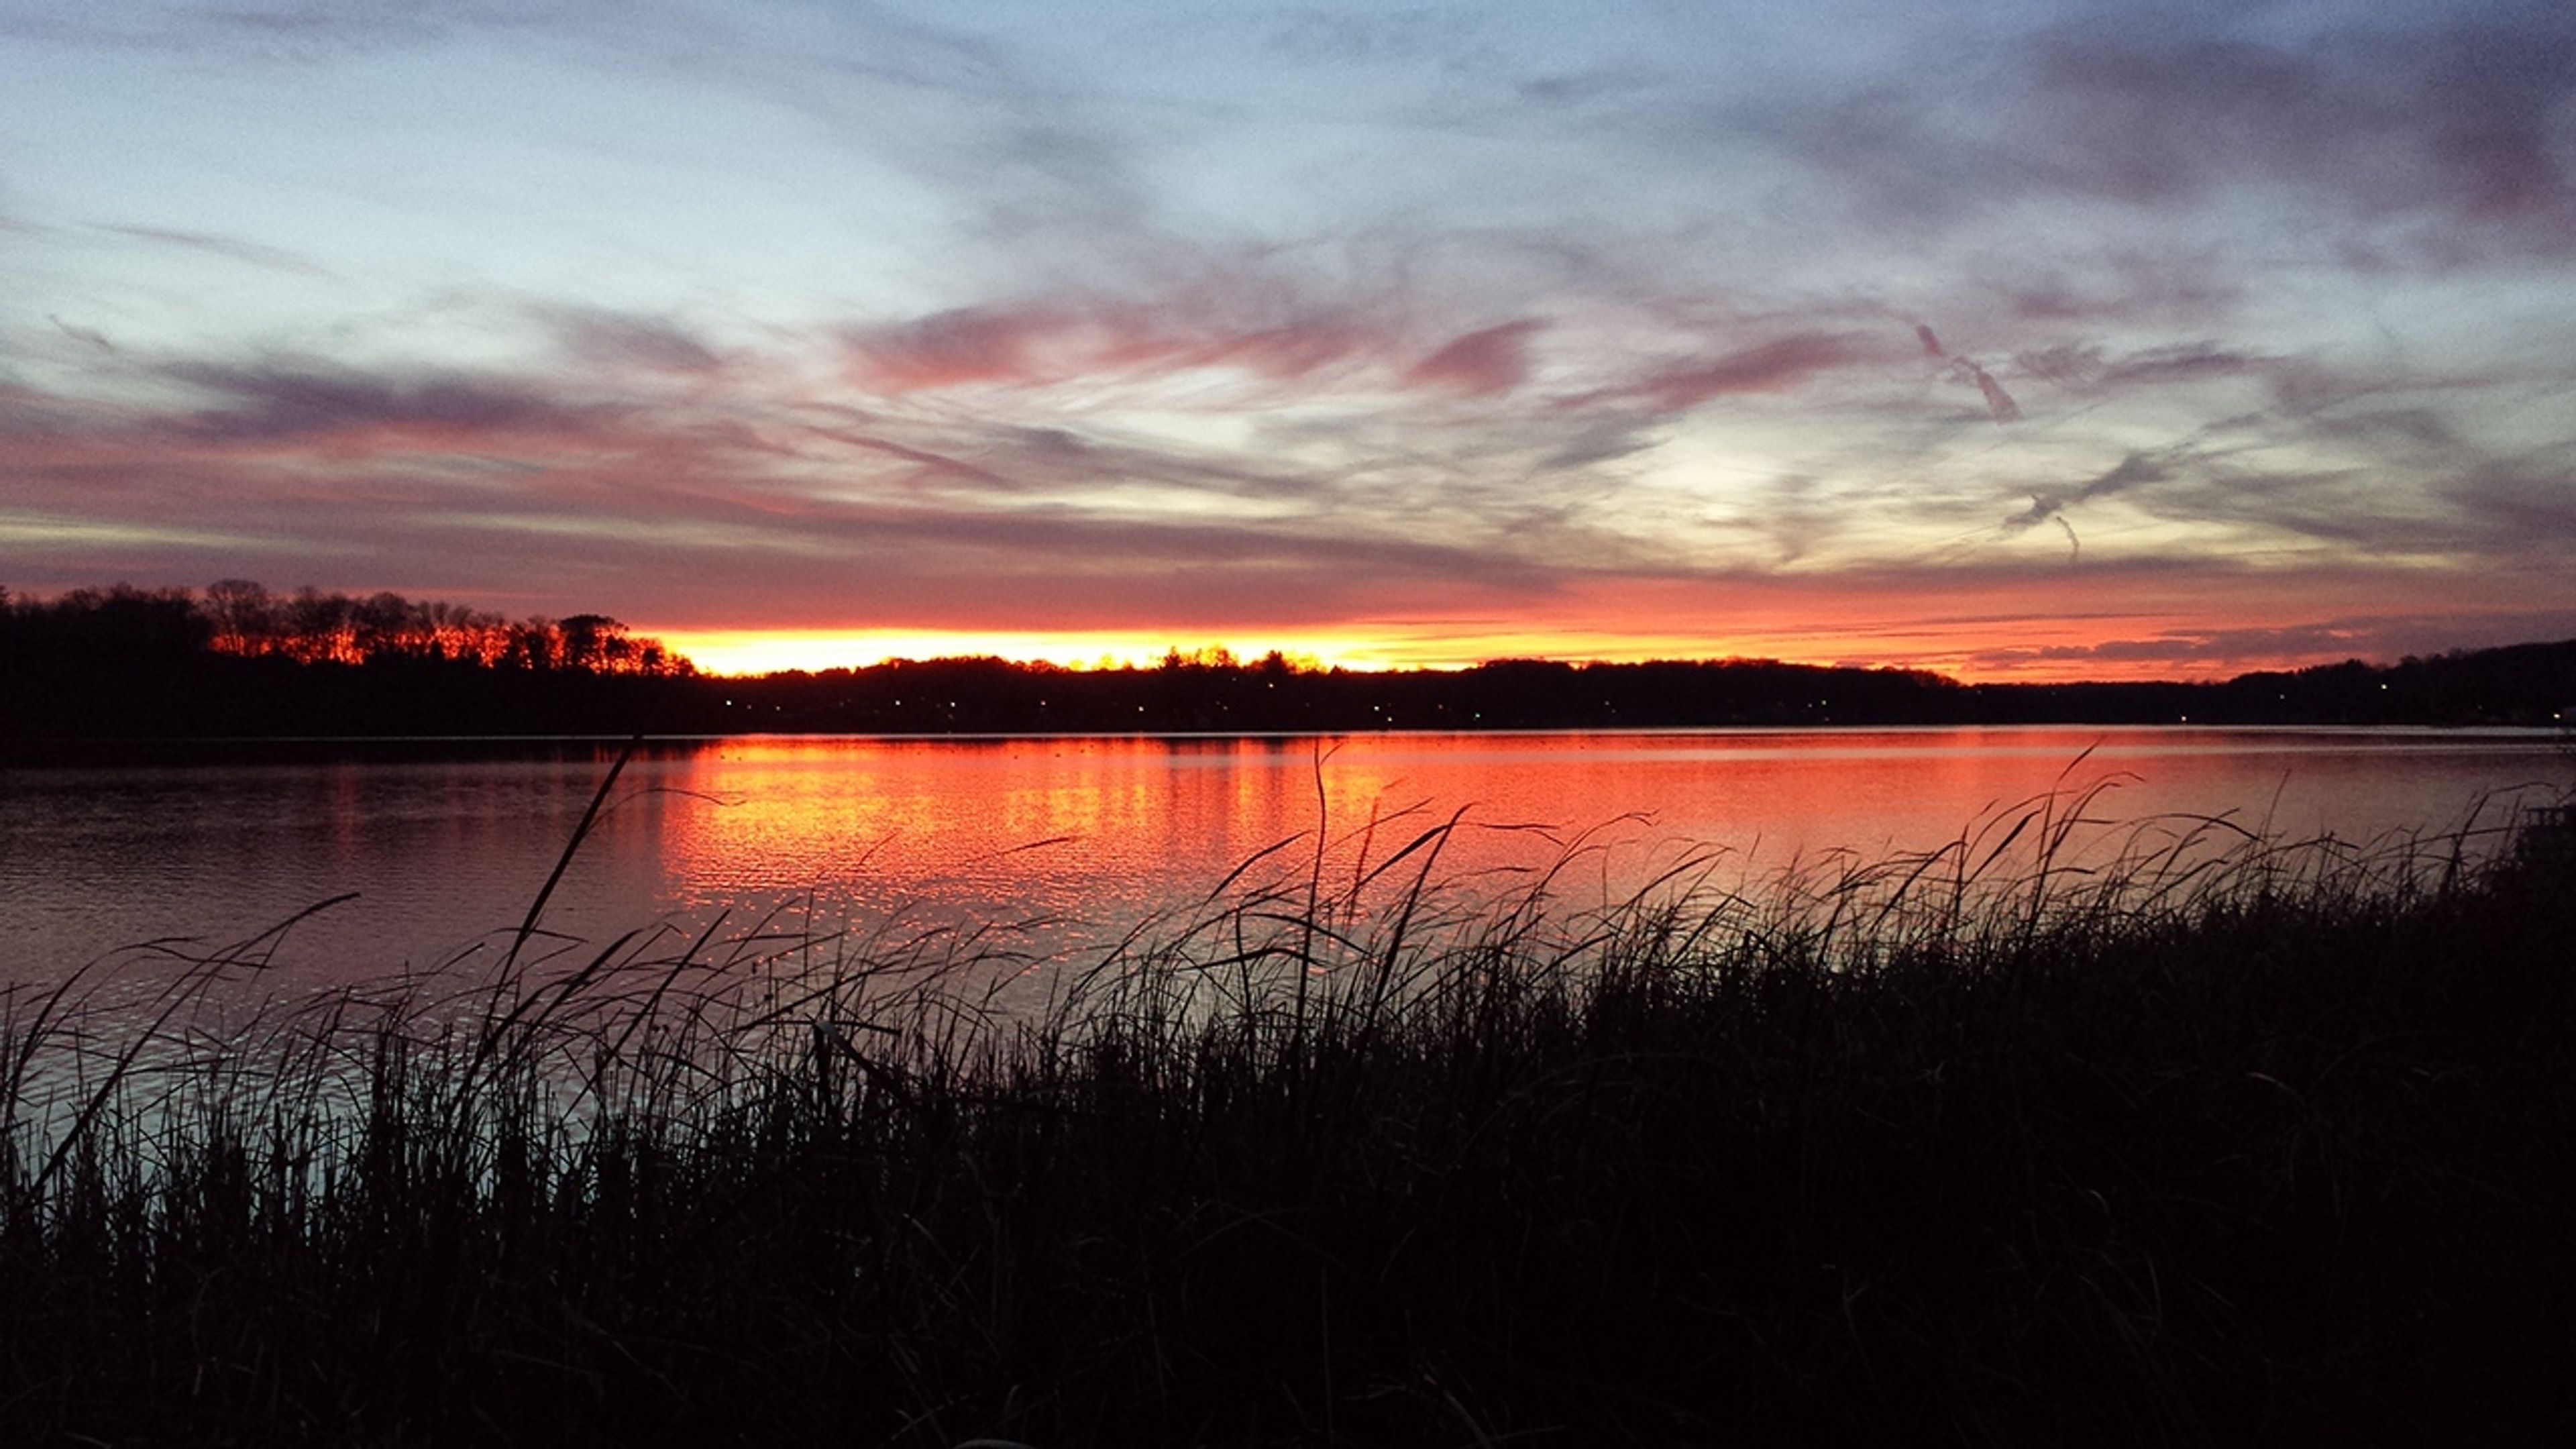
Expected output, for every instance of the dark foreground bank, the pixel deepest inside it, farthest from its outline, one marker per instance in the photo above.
(2283, 1152)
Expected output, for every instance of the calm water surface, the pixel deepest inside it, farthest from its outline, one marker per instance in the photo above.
(1090, 834)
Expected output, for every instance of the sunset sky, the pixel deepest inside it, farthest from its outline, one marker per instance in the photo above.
(2014, 340)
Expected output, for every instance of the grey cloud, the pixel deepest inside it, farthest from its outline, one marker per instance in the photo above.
(90, 336)
(619, 341)
(2154, 123)
(2501, 99)
(2428, 494)
(2187, 484)
(1602, 441)
(2185, 363)
(2303, 387)
(270, 403)
(1573, 90)
(2345, 506)
(1892, 141)
(2088, 370)
(2530, 504)
(2460, 120)
(2412, 427)
(2124, 283)
(2130, 472)
(2065, 364)
(1063, 455)
(2376, 639)
(1308, 36)
(2200, 652)
(1054, 174)
(2456, 118)
(278, 31)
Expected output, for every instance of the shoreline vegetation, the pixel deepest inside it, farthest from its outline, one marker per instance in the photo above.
(2219, 1140)
(94, 669)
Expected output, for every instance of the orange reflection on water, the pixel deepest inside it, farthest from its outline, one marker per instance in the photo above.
(446, 855)
(1079, 827)
(1108, 829)
(1103, 829)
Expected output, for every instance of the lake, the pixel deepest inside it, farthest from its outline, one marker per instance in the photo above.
(1070, 840)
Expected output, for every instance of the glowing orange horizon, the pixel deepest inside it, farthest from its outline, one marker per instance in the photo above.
(1946, 651)
(1977, 629)
(763, 651)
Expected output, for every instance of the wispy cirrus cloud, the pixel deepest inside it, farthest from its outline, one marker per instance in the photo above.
(235, 249)
(1777, 365)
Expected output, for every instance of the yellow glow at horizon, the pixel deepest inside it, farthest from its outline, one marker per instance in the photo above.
(1426, 646)
(764, 651)
(1943, 647)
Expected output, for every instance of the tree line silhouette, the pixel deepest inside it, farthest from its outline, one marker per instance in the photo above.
(312, 627)
(240, 661)
(2520, 685)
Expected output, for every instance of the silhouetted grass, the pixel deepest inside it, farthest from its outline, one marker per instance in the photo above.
(2211, 1141)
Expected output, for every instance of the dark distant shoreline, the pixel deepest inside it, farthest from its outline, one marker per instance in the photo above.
(220, 704)
(129, 666)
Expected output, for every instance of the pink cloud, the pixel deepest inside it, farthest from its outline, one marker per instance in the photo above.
(1294, 350)
(1774, 366)
(1492, 360)
(1998, 401)
(1040, 343)
(951, 349)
